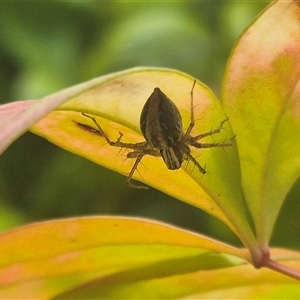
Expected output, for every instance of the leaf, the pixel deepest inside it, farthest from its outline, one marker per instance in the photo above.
(231, 280)
(117, 101)
(112, 257)
(261, 96)
(18, 116)
(12, 123)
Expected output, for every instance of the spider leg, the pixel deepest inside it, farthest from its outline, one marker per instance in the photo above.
(209, 133)
(192, 123)
(118, 142)
(211, 145)
(134, 168)
(193, 159)
(136, 153)
(187, 152)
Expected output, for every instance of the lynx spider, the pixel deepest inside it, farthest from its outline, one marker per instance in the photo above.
(161, 125)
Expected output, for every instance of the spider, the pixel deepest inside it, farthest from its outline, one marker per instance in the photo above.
(161, 126)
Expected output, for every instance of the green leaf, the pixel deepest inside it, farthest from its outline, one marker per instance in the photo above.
(117, 100)
(112, 257)
(261, 96)
(233, 278)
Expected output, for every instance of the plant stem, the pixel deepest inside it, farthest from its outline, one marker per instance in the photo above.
(276, 266)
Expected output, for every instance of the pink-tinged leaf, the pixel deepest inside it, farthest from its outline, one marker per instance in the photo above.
(12, 121)
(261, 95)
(17, 117)
(45, 259)
(127, 258)
(117, 103)
(235, 281)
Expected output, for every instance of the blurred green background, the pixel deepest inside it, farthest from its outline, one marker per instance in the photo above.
(48, 46)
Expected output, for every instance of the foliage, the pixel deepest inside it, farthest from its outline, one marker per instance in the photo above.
(259, 93)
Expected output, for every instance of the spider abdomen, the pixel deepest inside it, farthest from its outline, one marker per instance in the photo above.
(160, 121)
